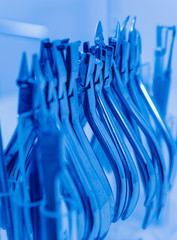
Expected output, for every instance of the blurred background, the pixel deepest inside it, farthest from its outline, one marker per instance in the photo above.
(77, 20)
(24, 23)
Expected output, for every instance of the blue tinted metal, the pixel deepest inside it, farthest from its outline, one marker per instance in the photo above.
(50, 156)
(6, 208)
(162, 73)
(105, 114)
(69, 175)
(87, 167)
(104, 139)
(121, 89)
(73, 103)
(149, 107)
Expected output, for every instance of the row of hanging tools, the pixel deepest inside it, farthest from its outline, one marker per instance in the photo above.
(87, 137)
